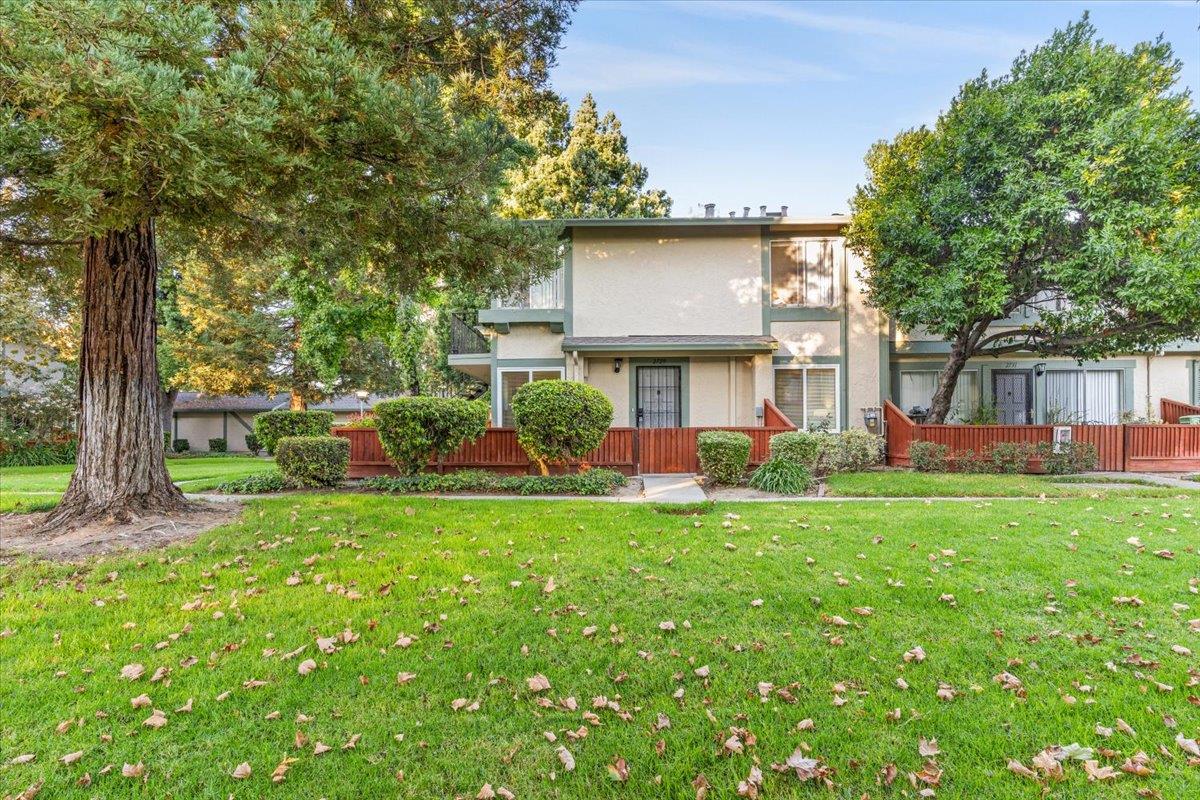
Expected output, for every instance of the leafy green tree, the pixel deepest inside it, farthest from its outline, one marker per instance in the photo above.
(585, 171)
(1070, 183)
(290, 118)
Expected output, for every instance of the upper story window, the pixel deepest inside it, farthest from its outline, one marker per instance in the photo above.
(547, 293)
(802, 273)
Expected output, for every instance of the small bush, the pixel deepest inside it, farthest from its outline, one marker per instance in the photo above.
(39, 454)
(798, 447)
(723, 455)
(413, 430)
(362, 422)
(308, 461)
(253, 444)
(1011, 458)
(560, 420)
(929, 456)
(1074, 457)
(180, 446)
(855, 450)
(781, 476)
(218, 445)
(258, 483)
(592, 483)
(271, 426)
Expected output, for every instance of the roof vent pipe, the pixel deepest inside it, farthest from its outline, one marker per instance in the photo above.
(710, 209)
(762, 211)
(783, 211)
(732, 214)
(745, 211)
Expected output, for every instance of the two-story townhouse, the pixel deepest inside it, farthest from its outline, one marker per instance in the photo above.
(698, 321)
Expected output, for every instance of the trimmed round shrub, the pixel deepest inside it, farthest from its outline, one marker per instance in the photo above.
(856, 450)
(309, 461)
(723, 455)
(781, 476)
(271, 426)
(929, 456)
(560, 420)
(414, 430)
(253, 444)
(218, 445)
(181, 445)
(799, 447)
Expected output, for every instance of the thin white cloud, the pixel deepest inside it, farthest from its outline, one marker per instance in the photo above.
(592, 66)
(909, 34)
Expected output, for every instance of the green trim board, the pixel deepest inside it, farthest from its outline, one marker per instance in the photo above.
(764, 247)
(502, 318)
(805, 314)
(784, 361)
(669, 347)
(685, 412)
(845, 340)
(1195, 384)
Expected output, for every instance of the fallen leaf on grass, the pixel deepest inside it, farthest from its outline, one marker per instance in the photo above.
(241, 771)
(568, 760)
(538, 683)
(131, 672)
(618, 770)
(137, 770)
(71, 758)
(306, 666)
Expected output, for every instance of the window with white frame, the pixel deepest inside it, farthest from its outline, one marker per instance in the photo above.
(547, 293)
(802, 273)
(1083, 396)
(512, 379)
(808, 395)
(917, 387)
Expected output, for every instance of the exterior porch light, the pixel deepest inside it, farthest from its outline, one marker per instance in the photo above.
(617, 364)
(1039, 369)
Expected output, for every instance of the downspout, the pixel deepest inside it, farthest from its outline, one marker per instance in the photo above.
(732, 391)
(1149, 412)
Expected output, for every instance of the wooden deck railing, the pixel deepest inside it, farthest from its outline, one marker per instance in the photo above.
(1172, 410)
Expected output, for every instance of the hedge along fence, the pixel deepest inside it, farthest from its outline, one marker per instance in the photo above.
(416, 430)
(1127, 448)
(271, 426)
(312, 461)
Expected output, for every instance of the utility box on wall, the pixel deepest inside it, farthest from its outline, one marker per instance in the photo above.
(873, 419)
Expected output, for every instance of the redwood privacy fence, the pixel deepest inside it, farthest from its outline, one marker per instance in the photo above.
(631, 451)
(1121, 448)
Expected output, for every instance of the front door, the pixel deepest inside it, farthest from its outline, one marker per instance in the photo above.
(1013, 395)
(659, 397)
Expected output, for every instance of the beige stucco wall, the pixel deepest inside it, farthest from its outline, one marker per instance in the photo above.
(599, 373)
(802, 340)
(631, 284)
(865, 327)
(1156, 377)
(529, 341)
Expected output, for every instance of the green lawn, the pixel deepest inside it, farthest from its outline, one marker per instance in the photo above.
(1023, 587)
(901, 483)
(37, 488)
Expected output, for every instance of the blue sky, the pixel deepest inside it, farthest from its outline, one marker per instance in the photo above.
(751, 103)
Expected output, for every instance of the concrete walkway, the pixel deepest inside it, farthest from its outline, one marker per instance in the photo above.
(672, 489)
(1149, 477)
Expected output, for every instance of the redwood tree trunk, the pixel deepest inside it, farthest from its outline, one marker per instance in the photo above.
(120, 471)
(296, 401)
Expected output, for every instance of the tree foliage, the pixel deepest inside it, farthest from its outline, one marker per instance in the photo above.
(1069, 184)
(584, 170)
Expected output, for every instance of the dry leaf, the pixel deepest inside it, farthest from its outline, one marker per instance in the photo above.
(241, 771)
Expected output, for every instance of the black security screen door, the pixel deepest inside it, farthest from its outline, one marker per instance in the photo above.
(659, 403)
(1013, 393)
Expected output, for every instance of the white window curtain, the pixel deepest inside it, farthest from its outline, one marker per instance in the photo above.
(1076, 396)
(918, 386)
(809, 396)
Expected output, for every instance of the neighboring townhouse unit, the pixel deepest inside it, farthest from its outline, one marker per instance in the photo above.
(200, 417)
(696, 321)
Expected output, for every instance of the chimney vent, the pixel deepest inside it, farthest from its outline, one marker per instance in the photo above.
(783, 211)
(710, 209)
(762, 211)
(732, 214)
(745, 211)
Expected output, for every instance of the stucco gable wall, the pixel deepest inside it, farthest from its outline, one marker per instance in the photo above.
(677, 283)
